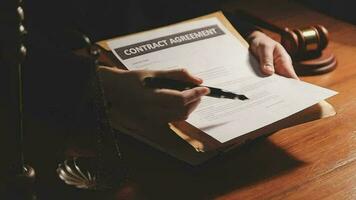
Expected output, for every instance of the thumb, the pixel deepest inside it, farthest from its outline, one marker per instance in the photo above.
(265, 54)
(179, 74)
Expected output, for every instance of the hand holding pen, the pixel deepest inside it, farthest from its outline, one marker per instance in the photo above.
(128, 96)
(158, 82)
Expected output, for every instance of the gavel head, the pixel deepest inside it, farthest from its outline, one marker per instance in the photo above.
(299, 42)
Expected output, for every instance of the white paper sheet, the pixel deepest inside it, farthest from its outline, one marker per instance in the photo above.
(208, 50)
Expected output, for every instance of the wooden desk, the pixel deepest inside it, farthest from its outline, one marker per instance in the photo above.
(316, 160)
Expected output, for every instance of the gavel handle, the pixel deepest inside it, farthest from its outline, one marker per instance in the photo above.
(257, 21)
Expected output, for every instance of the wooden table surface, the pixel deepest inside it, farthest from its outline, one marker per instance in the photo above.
(315, 160)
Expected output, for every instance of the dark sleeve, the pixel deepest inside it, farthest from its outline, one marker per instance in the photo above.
(56, 81)
(242, 26)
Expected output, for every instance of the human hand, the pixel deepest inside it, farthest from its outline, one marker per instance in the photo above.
(271, 55)
(125, 91)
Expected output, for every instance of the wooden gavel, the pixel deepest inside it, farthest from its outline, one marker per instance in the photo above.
(307, 46)
(304, 41)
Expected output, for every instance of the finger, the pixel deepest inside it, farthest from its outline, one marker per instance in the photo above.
(265, 55)
(179, 74)
(194, 94)
(167, 98)
(178, 99)
(104, 68)
(283, 63)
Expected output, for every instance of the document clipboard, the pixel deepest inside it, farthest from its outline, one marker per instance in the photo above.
(184, 141)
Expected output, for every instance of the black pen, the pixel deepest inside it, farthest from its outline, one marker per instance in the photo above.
(156, 82)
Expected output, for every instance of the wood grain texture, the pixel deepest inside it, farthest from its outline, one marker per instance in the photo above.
(315, 160)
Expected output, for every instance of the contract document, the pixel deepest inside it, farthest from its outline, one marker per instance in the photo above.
(207, 49)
